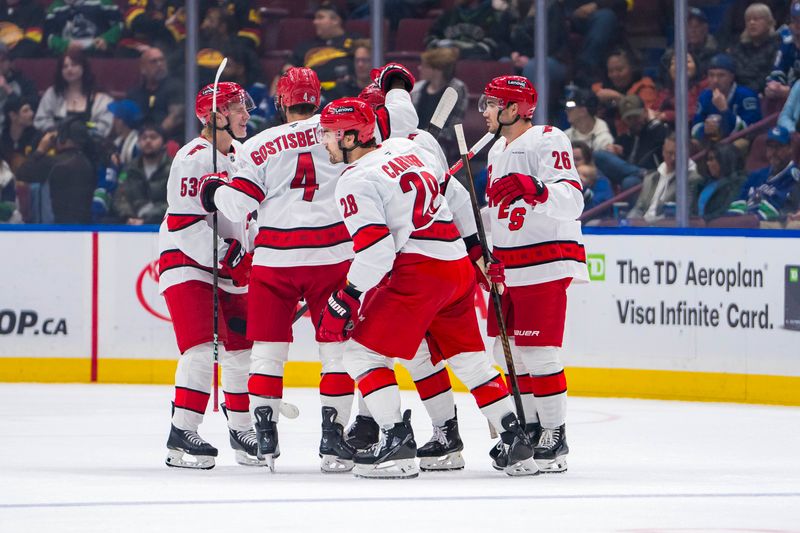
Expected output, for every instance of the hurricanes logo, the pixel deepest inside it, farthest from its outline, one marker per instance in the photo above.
(149, 275)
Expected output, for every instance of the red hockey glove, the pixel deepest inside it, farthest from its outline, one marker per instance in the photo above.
(237, 263)
(388, 73)
(338, 318)
(514, 186)
(208, 186)
(485, 276)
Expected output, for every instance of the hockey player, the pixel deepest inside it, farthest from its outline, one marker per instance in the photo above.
(302, 250)
(185, 267)
(401, 225)
(443, 451)
(535, 198)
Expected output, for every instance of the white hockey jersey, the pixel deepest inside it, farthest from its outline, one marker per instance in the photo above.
(285, 173)
(541, 243)
(397, 117)
(391, 203)
(185, 236)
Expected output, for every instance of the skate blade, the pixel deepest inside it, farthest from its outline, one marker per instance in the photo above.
(451, 461)
(552, 466)
(332, 464)
(244, 459)
(289, 410)
(397, 469)
(178, 459)
(528, 467)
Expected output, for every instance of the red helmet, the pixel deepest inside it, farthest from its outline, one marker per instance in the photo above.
(298, 85)
(511, 89)
(373, 95)
(346, 114)
(228, 93)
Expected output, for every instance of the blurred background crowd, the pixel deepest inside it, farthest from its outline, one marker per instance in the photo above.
(93, 106)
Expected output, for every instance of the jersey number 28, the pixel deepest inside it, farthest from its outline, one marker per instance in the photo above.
(427, 189)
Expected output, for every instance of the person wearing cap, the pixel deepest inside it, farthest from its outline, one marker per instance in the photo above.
(127, 117)
(786, 66)
(581, 108)
(330, 54)
(699, 42)
(736, 106)
(635, 152)
(767, 193)
(142, 194)
(755, 50)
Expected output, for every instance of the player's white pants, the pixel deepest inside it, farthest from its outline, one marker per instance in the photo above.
(336, 386)
(475, 370)
(376, 381)
(266, 375)
(235, 374)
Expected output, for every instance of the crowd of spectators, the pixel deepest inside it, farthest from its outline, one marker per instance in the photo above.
(76, 152)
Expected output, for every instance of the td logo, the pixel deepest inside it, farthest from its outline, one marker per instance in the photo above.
(597, 266)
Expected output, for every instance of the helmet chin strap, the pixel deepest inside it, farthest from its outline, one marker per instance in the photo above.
(227, 129)
(500, 124)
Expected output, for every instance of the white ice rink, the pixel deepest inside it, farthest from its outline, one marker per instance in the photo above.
(91, 458)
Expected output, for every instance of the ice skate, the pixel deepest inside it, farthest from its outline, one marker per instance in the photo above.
(443, 451)
(551, 451)
(517, 448)
(335, 452)
(188, 450)
(498, 451)
(362, 433)
(266, 436)
(393, 457)
(244, 444)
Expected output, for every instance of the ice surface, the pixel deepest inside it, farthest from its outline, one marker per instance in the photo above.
(91, 458)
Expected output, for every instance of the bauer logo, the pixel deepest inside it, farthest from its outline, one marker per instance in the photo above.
(597, 266)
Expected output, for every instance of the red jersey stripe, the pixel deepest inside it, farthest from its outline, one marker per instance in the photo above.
(490, 392)
(375, 380)
(336, 384)
(549, 385)
(237, 401)
(178, 222)
(193, 400)
(438, 231)
(266, 386)
(368, 235)
(249, 188)
(538, 254)
(574, 183)
(291, 238)
(433, 385)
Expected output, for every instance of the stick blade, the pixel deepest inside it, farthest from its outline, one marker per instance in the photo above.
(446, 105)
(462, 141)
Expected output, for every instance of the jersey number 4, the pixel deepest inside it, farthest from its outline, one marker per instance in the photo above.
(305, 177)
(427, 189)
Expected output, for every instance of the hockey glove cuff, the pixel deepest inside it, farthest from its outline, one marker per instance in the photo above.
(236, 263)
(386, 75)
(339, 316)
(515, 186)
(208, 186)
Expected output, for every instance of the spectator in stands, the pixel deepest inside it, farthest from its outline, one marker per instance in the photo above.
(790, 114)
(394, 10)
(11, 81)
(724, 107)
(477, 28)
(435, 75)
(246, 19)
(636, 152)
(754, 53)
(18, 140)
(786, 67)
(248, 76)
(142, 194)
(581, 108)
(598, 21)
(699, 42)
(159, 23)
(596, 187)
(159, 97)
(68, 174)
(659, 187)
(767, 191)
(74, 94)
(522, 46)
(94, 26)
(360, 77)
(330, 54)
(723, 180)
(666, 97)
(124, 132)
(623, 77)
(217, 36)
(22, 24)
(733, 22)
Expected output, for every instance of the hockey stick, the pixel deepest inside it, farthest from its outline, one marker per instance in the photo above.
(498, 309)
(442, 112)
(476, 148)
(215, 253)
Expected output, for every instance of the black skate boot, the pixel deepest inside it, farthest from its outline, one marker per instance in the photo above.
(551, 451)
(244, 444)
(518, 449)
(498, 451)
(336, 454)
(362, 433)
(266, 436)
(443, 451)
(393, 457)
(188, 450)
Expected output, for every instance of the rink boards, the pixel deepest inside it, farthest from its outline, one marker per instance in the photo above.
(701, 315)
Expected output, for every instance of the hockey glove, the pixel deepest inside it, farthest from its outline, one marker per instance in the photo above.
(390, 72)
(514, 186)
(495, 272)
(208, 186)
(236, 263)
(338, 318)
